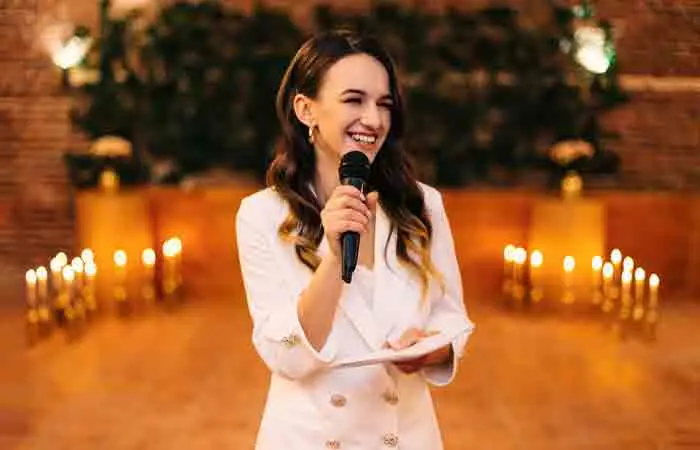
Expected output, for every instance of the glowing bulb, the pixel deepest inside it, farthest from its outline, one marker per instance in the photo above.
(148, 257)
(597, 263)
(569, 264)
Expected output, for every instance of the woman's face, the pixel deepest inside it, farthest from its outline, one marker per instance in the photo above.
(353, 108)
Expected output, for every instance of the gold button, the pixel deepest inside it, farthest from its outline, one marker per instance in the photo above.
(338, 400)
(390, 397)
(333, 444)
(391, 440)
(290, 341)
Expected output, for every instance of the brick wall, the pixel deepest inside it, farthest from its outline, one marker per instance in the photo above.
(660, 144)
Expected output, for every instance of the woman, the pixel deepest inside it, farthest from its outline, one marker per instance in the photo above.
(340, 94)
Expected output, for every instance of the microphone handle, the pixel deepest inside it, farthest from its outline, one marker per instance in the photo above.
(350, 240)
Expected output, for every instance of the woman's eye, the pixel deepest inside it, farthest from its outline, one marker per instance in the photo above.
(386, 105)
(353, 100)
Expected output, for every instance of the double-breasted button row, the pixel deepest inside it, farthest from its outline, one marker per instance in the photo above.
(339, 400)
(390, 397)
(290, 341)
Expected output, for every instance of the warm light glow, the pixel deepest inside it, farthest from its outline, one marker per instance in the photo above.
(508, 253)
(90, 269)
(616, 256)
(536, 258)
(169, 248)
(68, 273)
(77, 265)
(597, 263)
(177, 244)
(639, 274)
(71, 53)
(120, 258)
(520, 255)
(87, 255)
(626, 277)
(608, 270)
(628, 264)
(569, 264)
(654, 281)
(30, 276)
(55, 265)
(148, 256)
(591, 49)
(41, 273)
(62, 258)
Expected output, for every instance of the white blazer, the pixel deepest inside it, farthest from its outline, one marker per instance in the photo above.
(313, 406)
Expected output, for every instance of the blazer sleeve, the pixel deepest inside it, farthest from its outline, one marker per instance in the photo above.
(448, 313)
(277, 334)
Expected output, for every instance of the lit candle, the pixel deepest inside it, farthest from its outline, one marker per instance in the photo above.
(654, 282)
(169, 267)
(608, 273)
(56, 276)
(120, 261)
(597, 266)
(519, 257)
(508, 268)
(536, 261)
(89, 288)
(626, 300)
(148, 258)
(87, 255)
(627, 264)
(78, 267)
(66, 296)
(31, 289)
(616, 259)
(42, 276)
(62, 258)
(639, 277)
(569, 265)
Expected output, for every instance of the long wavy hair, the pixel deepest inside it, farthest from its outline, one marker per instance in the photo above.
(293, 169)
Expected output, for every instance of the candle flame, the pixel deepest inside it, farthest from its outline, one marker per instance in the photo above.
(536, 258)
(608, 270)
(569, 264)
(169, 248)
(148, 256)
(597, 263)
(77, 265)
(120, 258)
(62, 258)
(30, 276)
(508, 253)
(616, 256)
(626, 277)
(654, 281)
(639, 274)
(41, 273)
(55, 265)
(68, 273)
(177, 244)
(628, 263)
(87, 255)
(520, 255)
(90, 269)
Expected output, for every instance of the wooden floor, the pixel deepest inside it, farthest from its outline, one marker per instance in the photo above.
(189, 379)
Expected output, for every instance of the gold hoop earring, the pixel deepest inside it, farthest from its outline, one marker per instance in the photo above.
(311, 133)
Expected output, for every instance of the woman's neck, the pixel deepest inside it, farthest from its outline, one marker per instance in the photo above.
(326, 177)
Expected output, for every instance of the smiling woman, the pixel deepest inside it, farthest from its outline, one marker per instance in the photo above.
(340, 94)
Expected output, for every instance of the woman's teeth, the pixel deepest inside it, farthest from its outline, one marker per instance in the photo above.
(364, 139)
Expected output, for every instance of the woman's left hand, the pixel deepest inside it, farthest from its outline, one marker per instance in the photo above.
(412, 336)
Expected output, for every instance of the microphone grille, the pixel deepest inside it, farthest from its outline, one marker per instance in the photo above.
(354, 164)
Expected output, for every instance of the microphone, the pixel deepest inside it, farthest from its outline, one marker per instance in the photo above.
(353, 170)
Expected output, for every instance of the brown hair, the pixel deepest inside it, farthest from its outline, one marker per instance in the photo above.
(292, 170)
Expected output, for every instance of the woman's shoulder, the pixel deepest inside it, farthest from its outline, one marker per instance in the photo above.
(265, 205)
(431, 196)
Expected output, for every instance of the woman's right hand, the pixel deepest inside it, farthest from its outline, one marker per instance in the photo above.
(345, 210)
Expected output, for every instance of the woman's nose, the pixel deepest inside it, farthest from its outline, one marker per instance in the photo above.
(371, 116)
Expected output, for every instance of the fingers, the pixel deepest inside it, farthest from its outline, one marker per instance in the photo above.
(346, 210)
(408, 338)
(411, 366)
